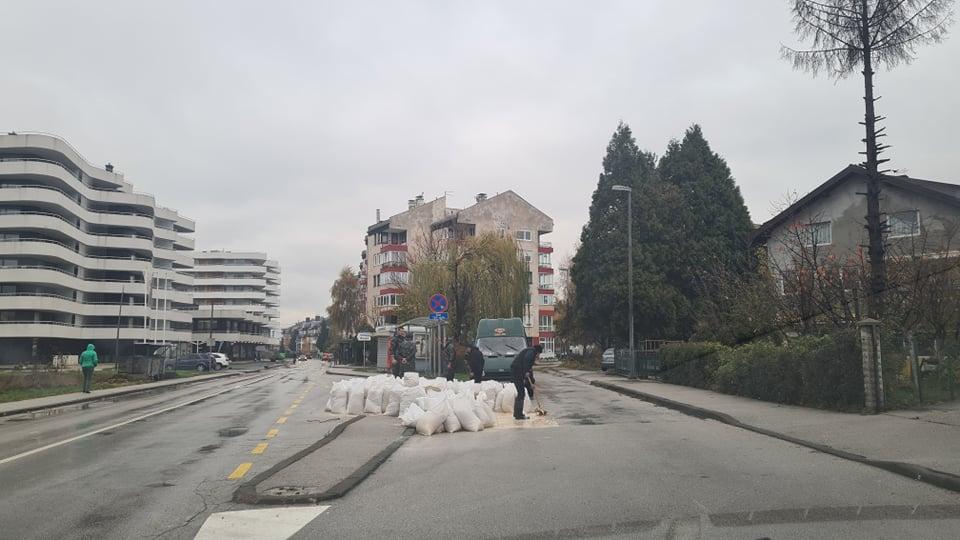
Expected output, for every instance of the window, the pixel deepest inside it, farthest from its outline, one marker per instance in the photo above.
(546, 299)
(546, 281)
(388, 300)
(547, 343)
(392, 278)
(817, 234)
(904, 223)
(526, 257)
(390, 258)
(376, 280)
(546, 323)
(544, 259)
(525, 236)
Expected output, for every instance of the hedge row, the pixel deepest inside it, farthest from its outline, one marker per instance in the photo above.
(813, 371)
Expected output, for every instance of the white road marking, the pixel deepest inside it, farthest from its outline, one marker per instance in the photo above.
(266, 523)
(125, 422)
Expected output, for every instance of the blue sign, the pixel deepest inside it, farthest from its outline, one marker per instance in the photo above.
(440, 316)
(438, 303)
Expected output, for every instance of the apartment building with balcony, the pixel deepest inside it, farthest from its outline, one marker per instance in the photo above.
(393, 243)
(85, 258)
(237, 299)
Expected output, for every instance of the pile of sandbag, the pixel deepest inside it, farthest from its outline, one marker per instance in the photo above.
(428, 405)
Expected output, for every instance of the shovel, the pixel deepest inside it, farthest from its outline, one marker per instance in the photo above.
(536, 395)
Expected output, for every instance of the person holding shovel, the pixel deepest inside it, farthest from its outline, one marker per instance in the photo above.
(521, 371)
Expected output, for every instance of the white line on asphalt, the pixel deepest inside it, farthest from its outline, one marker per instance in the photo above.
(125, 422)
(265, 523)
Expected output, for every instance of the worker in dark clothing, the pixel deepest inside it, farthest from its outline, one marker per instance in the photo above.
(448, 357)
(475, 362)
(395, 342)
(521, 369)
(408, 355)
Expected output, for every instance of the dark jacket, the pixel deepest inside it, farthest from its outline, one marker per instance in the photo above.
(522, 366)
(475, 360)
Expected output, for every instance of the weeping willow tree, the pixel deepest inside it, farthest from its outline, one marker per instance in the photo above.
(482, 277)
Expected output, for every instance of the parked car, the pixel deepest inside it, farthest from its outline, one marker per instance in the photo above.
(606, 361)
(500, 340)
(197, 361)
(220, 360)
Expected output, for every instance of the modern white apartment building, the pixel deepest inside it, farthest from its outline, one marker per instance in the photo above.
(393, 242)
(237, 295)
(85, 258)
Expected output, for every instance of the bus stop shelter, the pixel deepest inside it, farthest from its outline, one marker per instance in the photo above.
(429, 336)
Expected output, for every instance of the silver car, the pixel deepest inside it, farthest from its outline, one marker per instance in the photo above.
(606, 361)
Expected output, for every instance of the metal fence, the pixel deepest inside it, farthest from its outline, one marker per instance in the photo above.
(645, 361)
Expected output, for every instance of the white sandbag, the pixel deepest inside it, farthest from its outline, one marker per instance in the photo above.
(491, 389)
(355, 398)
(451, 424)
(338, 397)
(438, 384)
(374, 402)
(428, 424)
(393, 400)
(468, 419)
(385, 400)
(505, 398)
(484, 413)
(411, 415)
(411, 378)
(409, 395)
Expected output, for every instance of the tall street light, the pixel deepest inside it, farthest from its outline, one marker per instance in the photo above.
(629, 190)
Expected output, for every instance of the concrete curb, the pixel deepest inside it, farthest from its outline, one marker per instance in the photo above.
(127, 392)
(920, 473)
(247, 493)
(345, 374)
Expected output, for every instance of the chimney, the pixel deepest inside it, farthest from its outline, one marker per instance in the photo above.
(109, 167)
(378, 215)
(481, 197)
(411, 204)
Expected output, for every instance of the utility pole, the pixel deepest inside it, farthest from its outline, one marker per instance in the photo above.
(629, 190)
(210, 339)
(116, 342)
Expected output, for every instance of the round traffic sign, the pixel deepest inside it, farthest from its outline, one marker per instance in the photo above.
(438, 303)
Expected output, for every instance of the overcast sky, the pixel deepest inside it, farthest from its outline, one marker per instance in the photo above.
(282, 126)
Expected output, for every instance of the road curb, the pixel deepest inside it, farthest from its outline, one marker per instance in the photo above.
(92, 398)
(345, 374)
(920, 473)
(247, 493)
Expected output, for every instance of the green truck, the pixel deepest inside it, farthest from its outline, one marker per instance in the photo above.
(500, 340)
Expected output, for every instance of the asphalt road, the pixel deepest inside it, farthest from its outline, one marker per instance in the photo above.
(600, 465)
(159, 476)
(618, 467)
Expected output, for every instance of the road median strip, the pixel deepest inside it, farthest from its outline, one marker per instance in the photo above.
(920, 473)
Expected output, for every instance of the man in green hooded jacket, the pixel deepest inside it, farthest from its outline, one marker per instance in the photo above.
(88, 361)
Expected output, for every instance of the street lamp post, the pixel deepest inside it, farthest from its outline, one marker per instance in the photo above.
(629, 190)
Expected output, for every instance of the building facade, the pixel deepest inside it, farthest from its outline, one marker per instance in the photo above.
(85, 258)
(391, 245)
(237, 300)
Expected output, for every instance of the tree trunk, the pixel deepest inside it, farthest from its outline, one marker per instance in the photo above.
(874, 230)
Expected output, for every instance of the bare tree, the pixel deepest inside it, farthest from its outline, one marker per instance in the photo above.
(851, 35)
(345, 311)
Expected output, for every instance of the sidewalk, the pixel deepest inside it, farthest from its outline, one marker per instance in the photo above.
(62, 400)
(919, 442)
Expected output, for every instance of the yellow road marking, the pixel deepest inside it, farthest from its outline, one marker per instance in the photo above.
(240, 471)
(288, 412)
(272, 433)
(258, 449)
(295, 405)
(282, 420)
(297, 401)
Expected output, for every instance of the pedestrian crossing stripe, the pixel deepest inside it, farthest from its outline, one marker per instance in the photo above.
(263, 524)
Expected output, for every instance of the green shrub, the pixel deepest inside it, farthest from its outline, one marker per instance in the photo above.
(690, 364)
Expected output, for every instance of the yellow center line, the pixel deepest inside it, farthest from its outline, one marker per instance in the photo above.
(272, 433)
(288, 412)
(240, 471)
(258, 449)
(282, 420)
(295, 405)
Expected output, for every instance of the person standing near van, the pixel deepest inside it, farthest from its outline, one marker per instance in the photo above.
(88, 361)
(448, 357)
(408, 355)
(475, 362)
(521, 370)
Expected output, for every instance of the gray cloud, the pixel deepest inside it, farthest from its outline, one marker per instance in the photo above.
(281, 127)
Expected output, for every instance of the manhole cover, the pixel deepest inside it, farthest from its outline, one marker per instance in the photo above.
(286, 491)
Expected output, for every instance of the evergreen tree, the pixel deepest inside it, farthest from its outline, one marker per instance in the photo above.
(712, 224)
